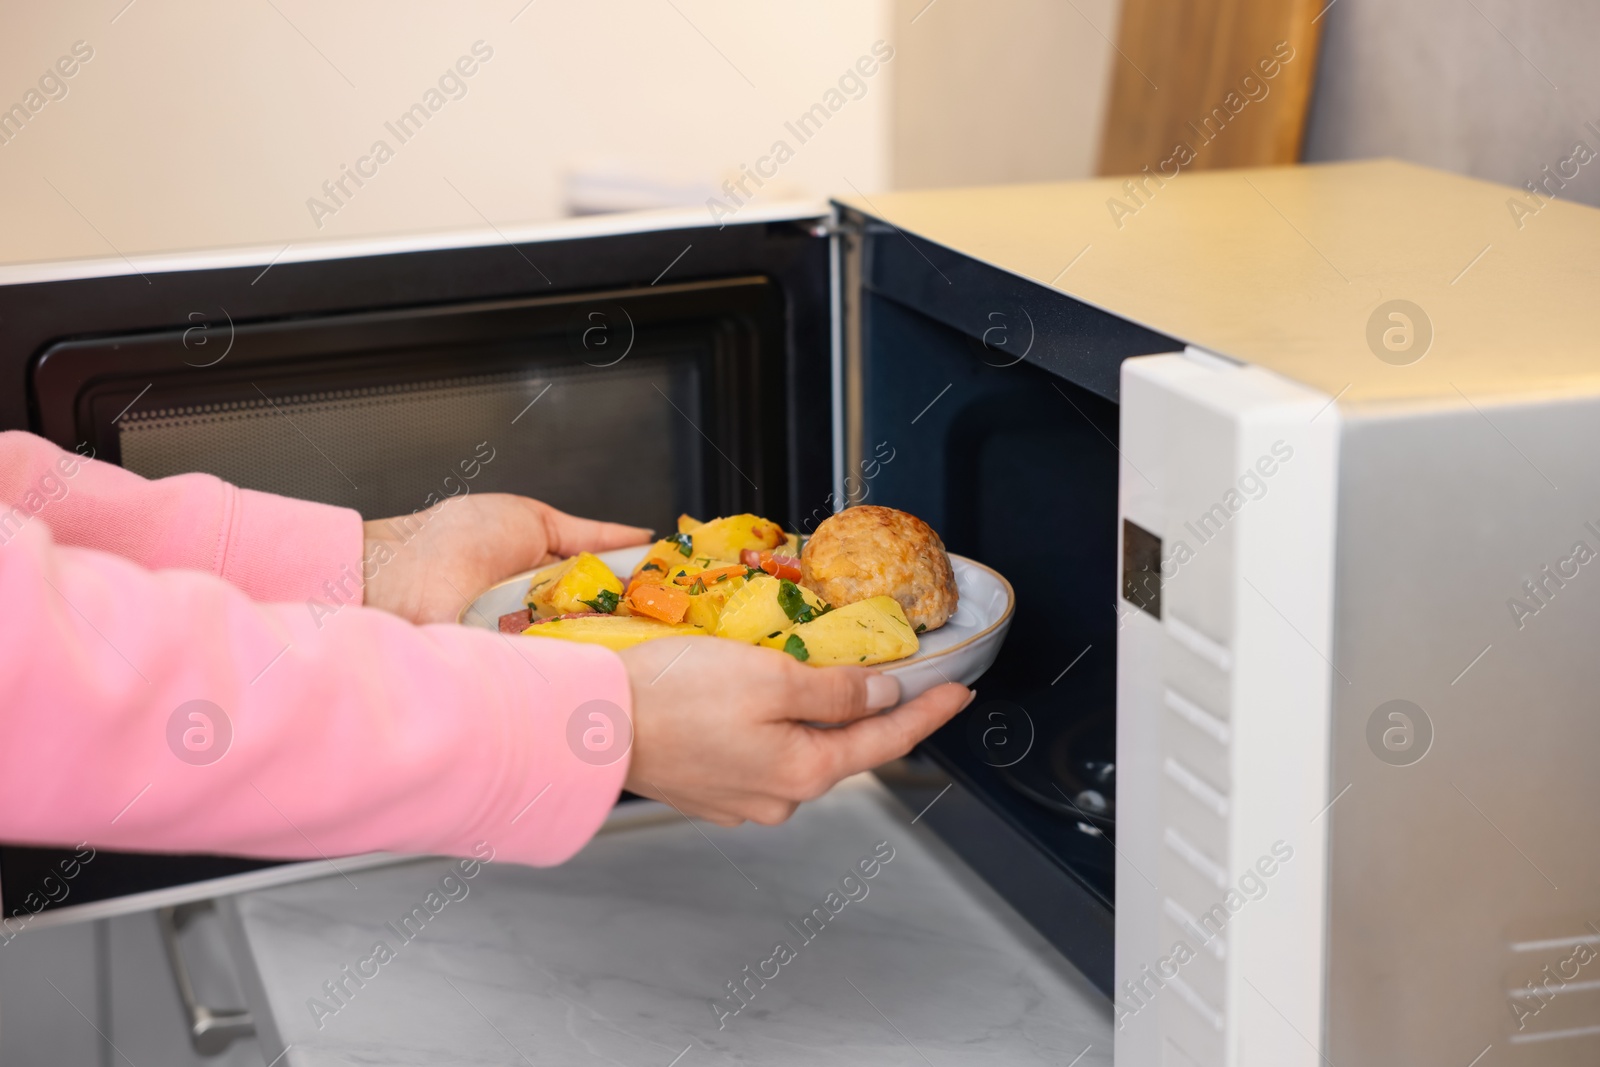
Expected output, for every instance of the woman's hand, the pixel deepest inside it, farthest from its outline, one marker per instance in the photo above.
(426, 567)
(719, 727)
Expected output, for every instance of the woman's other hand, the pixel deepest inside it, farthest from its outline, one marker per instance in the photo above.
(427, 566)
(720, 728)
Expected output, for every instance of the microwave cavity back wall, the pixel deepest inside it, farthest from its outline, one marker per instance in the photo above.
(1288, 749)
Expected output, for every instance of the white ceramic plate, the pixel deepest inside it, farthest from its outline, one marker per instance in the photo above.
(958, 651)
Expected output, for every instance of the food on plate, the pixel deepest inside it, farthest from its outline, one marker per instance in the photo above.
(866, 632)
(870, 551)
(615, 632)
(777, 564)
(661, 563)
(582, 583)
(667, 603)
(706, 585)
(517, 621)
(857, 592)
(725, 538)
(709, 592)
(767, 605)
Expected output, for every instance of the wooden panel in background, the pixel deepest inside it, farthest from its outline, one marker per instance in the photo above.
(1229, 79)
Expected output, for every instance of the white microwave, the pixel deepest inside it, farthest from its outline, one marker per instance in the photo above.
(1292, 469)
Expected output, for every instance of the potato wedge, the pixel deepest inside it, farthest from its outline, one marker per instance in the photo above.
(542, 579)
(724, 539)
(707, 605)
(688, 524)
(756, 610)
(582, 583)
(614, 631)
(869, 631)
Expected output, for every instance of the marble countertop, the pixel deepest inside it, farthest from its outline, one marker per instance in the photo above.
(625, 954)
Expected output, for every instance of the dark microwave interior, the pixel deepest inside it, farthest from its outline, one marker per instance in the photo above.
(388, 383)
(1017, 468)
(986, 405)
(626, 405)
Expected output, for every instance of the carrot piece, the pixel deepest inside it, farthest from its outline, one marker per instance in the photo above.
(780, 566)
(711, 577)
(662, 602)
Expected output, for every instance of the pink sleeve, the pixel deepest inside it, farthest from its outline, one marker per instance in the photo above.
(351, 732)
(272, 547)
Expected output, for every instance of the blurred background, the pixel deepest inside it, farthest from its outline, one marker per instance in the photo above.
(204, 124)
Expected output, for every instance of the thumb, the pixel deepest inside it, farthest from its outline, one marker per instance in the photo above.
(877, 739)
(567, 535)
(837, 695)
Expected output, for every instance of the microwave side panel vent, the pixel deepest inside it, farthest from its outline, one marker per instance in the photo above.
(1223, 712)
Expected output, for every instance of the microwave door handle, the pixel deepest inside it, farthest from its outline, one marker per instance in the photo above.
(211, 1030)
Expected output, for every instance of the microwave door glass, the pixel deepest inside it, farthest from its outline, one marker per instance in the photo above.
(625, 405)
(562, 435)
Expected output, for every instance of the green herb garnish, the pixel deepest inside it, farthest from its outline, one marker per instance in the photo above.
(704, 561)
(684, 542)
(605, 601)
(921, 626)
(751, 572)
(796, 648)
(775, 633)
(697, 588)
(793, 602)
(650, 567)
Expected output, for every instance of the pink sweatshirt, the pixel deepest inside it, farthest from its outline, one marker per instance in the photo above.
(122, 599)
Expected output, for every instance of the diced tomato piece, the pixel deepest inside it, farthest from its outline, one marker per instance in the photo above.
(664, 602)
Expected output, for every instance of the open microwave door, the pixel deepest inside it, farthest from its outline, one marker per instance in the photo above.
(987, 403)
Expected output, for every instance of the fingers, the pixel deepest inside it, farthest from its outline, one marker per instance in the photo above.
(568, 534)
(763, 811)
(766, 812)
(838, 694)
(877, 739)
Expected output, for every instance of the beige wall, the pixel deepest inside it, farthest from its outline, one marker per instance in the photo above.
(201, 124)
(1472, 91)
(995, 91)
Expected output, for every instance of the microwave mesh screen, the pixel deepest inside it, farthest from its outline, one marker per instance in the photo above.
(557, 434)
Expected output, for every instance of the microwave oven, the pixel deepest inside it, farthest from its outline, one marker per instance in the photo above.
(1289, 747)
